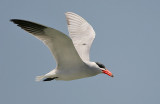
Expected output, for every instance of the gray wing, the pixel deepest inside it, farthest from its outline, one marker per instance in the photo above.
(81, 33)
(59, 44)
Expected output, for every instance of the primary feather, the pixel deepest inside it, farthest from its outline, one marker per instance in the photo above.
(82, 34)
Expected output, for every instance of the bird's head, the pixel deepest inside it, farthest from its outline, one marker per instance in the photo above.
(104, 69)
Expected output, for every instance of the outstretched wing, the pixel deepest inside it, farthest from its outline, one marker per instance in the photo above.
(81, 33)
(59, 44)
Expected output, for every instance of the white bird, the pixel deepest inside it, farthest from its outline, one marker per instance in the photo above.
(71, 54)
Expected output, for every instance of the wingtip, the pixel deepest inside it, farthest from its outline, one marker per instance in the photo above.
(11, 20)
(67, 13)
(18, 20)
(70, 13)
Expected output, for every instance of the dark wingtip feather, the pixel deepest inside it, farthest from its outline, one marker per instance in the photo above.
(16, 21)
(31, 27)
(12, 20)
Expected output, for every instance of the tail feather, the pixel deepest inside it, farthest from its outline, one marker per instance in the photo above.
(39, 78)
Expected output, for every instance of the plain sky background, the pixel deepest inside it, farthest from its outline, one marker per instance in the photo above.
(127, 42)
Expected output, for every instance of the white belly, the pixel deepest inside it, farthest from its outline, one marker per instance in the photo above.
(76, 74)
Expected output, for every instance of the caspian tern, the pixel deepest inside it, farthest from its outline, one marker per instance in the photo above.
(71, 54)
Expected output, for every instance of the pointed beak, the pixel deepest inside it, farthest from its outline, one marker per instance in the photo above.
(107, 72)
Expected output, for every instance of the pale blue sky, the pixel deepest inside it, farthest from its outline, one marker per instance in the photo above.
(127, 42)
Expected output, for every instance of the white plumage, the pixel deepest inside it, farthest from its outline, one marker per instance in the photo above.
(71, 54)
(81, 33)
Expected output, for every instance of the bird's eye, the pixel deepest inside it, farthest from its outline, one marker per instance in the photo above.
(100, 65)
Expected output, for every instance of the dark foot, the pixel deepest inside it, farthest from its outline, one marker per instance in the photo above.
(49, 79)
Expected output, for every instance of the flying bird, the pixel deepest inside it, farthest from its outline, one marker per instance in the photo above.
(71, 53)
